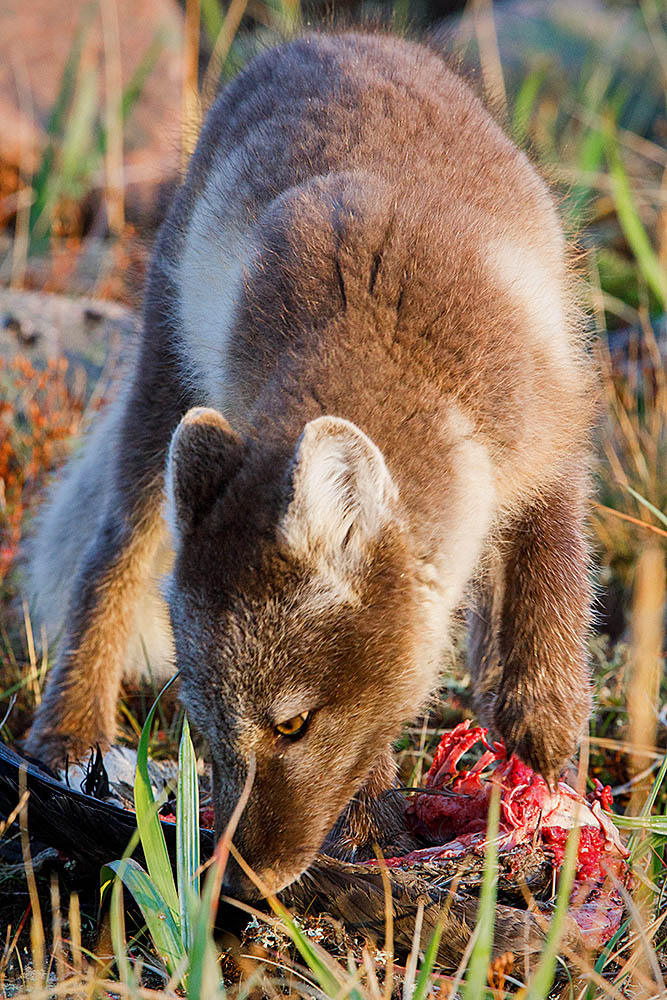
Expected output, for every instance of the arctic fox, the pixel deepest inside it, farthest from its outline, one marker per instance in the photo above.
(362, 398)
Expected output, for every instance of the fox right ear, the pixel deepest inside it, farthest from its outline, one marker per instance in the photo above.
(203, 456)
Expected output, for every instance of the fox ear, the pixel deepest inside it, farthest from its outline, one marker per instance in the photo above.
(203, 456)
(342, 494)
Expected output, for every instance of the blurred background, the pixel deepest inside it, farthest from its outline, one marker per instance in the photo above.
(100, 106)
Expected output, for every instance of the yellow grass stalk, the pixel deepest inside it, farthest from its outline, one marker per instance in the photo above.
(113, 113)
(36, 924)
(74, 920)
(221, 48)
(489, 53)
(191, 104)
(643, 694)
(57, 929)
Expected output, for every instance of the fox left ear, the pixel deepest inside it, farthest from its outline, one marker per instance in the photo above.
(342, 496)
(203, 456)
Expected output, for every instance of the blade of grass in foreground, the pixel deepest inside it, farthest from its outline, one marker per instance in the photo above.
(173, 930)
(542, 981)
(525, 102)
(423, 987)
(652, 824)
(43, 176)
(649, 506)
(631, 224)
(148, 821)
(603, 958)
(486, 914)
(645, 821)
(314, 958)
(117, 921)
(135, 85)
(187, 835)
(326, 970)
(159, 919)
(204, 977)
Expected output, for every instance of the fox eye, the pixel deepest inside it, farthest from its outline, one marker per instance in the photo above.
(295, 727)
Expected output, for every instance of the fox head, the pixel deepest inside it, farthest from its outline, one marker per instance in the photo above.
(292, 609)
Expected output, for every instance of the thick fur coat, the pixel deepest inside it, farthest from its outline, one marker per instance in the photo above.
(362, 389)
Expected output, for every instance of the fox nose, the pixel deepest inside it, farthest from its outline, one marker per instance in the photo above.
(267, 881)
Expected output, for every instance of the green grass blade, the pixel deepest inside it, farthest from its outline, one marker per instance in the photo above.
(204, 977)
(211, 15)
(155, 911)
(526, 99)
(605, 954)
(150, 830)
(54, 126)
(641, 823)
(400, 15)
(187, 834)
(653, 794)
(135, 85)
(70, 72)
(315, 959)
(137, 81)
(423, 984)
(649, 506)
(480, 958)
(628, 217)
(326, 971)
(652, 824)
(79, 129)
(117, 921)
(589, 160)
(542, 981)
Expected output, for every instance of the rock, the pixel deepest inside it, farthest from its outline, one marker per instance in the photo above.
(92, 334)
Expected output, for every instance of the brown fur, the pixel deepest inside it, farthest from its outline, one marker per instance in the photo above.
(355, 238)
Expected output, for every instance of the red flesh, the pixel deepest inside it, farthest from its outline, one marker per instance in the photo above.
(455, 823)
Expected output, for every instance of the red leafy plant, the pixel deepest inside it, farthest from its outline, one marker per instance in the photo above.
(39, 413)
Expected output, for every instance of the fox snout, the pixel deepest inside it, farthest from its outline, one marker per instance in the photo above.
(277, 837)
(238, 884)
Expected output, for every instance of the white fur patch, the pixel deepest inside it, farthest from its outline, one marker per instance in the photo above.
(472, 503)
(536, 286)
(150, 653)
(169, 504)
(473, 506)
(343, 496)
(210, 277)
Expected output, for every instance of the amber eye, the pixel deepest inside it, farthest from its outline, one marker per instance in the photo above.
(295, 727)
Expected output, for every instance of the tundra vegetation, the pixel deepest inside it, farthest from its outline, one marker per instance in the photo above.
(587, 97)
